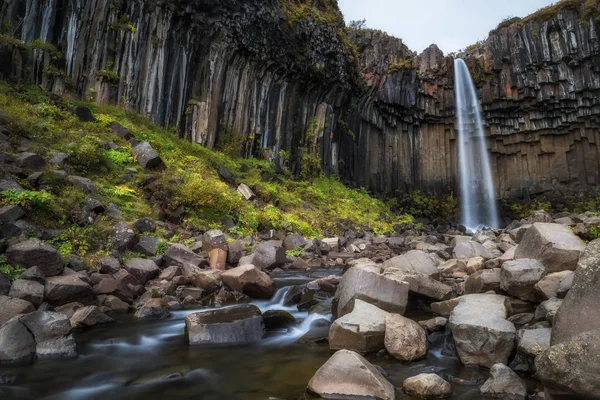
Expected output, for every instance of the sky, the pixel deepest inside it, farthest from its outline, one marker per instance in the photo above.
(451, 24)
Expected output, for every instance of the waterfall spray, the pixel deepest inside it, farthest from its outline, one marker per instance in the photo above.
(477, 197)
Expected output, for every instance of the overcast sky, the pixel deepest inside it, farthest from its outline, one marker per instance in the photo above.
(451, 24)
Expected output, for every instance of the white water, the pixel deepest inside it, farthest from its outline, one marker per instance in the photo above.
(477, 197)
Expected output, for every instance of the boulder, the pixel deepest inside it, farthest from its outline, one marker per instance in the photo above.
(214, 239)
(65, 289)
(69, 309)
(5, 284)
(51, 331)
(565, 284)
(548, 309)
(145, 225)
(427, 386)
(34, 274)
(154, 308)
(554, 245)
(121, 131)
(503, 383)
(414, 261)
(362, 330)
(116, 288)
(533, 342)
(30, 161)
(365, 283)
(109, 265)
(245, 191)
(278, 319)
(434, 324)
(518, 278)
(11, 213)
(17, 344)
(453, 268)
(34, 252)
(251, 281)
(348, 375)
(468, 249)
(243, 323)
(9, 307)
(484, 281)
(217, 259)
(181, 255)
(124, 238)
(405, 339)
(579, 311)
(548, 286)
(422, 284)
(147, 157)
(269, 255)
(481, 333)
(147, 246)
(293, 241)
(208, 280)
(572, 366)
(143, 270)
(30, 291)
(235, 251)
(87, 317)
(116, 304)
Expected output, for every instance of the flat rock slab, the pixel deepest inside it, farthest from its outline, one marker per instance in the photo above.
(414, 261)
(34, 252)
(348, 375)
(481, 333)
(237, 324)
(65, 289)
(143, 270)
(519, 277)
(362, 330)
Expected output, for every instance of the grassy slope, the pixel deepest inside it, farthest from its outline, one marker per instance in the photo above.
(191, 178)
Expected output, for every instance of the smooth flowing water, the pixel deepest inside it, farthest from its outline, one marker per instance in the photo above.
(477, 197)
(151, 361)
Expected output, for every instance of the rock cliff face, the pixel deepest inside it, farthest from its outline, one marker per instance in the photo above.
(277, 75)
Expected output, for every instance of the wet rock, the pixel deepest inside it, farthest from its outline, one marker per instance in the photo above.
(481, 333)
(427, 386)
(548, 286)
(30, 291)
(361, 331)
(34, 252)
(17, 344)
(242, 323)
(364, 282)
(109, 265)
(145, 225)
(414, 261)
(30, 161)
(350, 376)
(147, 246)
(51, 331)
(533, 342)
(405, 339)
(153, 309)
(181, 255)
(9, 307)
(88, 317)
(278, 319)
(147, 157)
(61, 290)
(519, 277)
(141, 269)
(250, 281)
(484, 281)
(554, 245)
(503, 383)
(124, 238)
(269, 255)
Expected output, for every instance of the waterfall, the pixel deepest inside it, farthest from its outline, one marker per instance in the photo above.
(477, 197)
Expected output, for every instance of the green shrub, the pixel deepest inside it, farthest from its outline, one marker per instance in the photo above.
(47, 48)
(27, 199)
(119, 157)
(402, 64)
(87, 156)
(12, 272)
(77, 241)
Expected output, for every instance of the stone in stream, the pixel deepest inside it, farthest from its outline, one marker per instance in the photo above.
(269, 255)
(154, 308)
(365, 282)
(414, 261)
(278, 319)
(519, 277)
(251, 281)
(503, 383)
(427, 386)
(554, 245)
(34, 252)
(31, 291)
(481, 333)
(405, 339)
(362, 330)
(65, 289)
(17, 344)
(348, 375)
(237, 324)
(422, 284)
(88, 317)
(143, 270)
(147, 157)
(52, 334)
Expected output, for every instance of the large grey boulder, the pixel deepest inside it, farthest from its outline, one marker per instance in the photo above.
(147, 157)
(251, 281)
(90, 316)
(503, 383)
(533, 342)
(547, 310)
(65, 289)
(466, 249)
(414, 261)
(123, 237)
(554, 245)
(422, 284)
(481, 333)
(143, 270)
(114, 287)
(427, 386)
(52, 334)
(348, 375)
(181, 255)
(365, 282)
(518, 278)
(236, 324)
(9, 307)
(34, 252)
(154, 308)
(405, 339)
(17, 344)
(269, 255)
(549, 285)
(31, 291)
(30, 161)
(109, 265)
(483, 281)
(362, 330)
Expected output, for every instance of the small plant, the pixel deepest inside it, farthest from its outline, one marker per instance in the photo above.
(111, 76)
(12, 272)
(405, 63)
(76, 240)
(47, 48)
(297, 252)
(161, 248)
(119, 157)
(27, 199)
(87, 155)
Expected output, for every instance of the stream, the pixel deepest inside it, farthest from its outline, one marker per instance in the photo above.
(152, 360)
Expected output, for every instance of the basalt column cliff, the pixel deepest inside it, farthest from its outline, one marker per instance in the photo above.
(287, 76)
